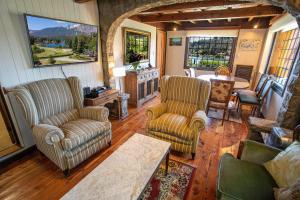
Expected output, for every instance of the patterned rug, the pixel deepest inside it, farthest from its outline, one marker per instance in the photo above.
(173, 186)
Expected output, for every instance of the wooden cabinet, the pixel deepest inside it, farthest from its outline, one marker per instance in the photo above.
(141, 85)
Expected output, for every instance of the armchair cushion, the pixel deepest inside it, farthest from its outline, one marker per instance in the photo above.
(173, 124)
(238, 179)
(97, 113)
(81, 131)
(156, 111)
(61, 118)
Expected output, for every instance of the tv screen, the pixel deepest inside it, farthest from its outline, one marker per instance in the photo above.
(58, 42)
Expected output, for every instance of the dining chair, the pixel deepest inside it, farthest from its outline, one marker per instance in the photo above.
(222, 70)
(244, 71)
(255, 101)
(262, 81)
(187, 73)
(193, 72)
(220, 94)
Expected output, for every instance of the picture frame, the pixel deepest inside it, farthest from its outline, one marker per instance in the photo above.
(136, 46)
(176, 41)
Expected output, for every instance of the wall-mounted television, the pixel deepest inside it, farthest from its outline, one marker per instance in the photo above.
(59, 42)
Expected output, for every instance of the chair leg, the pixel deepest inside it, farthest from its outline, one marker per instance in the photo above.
(66, 172)
(228, 115)
(224, 114)
(193, 156)
(109, 143)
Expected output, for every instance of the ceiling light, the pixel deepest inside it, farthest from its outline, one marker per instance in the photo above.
(174, 29)
(255, 26)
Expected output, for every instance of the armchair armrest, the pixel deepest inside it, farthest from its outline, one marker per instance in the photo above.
(156, 111)
(98, 113)
(198, 120)
(257, 152)
(48, 133)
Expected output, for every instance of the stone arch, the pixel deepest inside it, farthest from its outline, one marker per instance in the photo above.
(112, 13)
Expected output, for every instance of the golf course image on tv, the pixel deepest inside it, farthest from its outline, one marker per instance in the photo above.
(58, 42)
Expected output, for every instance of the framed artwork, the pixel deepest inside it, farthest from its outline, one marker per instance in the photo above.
(249, 45)
(175, 41)
(136, 45)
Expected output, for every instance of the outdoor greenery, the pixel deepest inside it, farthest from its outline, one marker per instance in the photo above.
(137, 47)
(209, 52)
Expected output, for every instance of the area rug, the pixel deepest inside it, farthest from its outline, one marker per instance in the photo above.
(218, 114)
(173, 186)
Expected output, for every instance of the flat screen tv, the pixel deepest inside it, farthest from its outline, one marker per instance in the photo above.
(58, 42)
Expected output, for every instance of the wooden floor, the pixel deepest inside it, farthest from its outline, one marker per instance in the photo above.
(35, 177)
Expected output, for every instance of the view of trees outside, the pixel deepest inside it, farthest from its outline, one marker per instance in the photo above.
(61, 42)
(209, 52)
(137, 47)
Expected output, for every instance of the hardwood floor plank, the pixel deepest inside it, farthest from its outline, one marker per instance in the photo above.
(35, 177)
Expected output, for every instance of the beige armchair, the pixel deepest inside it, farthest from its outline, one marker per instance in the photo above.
(65, 131)
(180, 116)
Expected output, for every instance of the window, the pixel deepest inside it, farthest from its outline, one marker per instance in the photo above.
(283, 55)
(136, 45)
(209, 52)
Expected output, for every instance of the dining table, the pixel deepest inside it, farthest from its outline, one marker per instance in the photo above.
(239, 83)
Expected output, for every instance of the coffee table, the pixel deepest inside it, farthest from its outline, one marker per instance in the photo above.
(125, 173)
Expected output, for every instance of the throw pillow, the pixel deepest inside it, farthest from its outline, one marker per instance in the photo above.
(285, 167)
(288, 193)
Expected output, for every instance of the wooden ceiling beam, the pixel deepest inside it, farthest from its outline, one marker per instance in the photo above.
(82, 1)
(222, 24)
(193, 5)
(260, 11)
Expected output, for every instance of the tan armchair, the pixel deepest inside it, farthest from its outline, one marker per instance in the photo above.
(180, 116)
(64, 131)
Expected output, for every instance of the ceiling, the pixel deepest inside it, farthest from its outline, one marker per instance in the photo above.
(214, 14)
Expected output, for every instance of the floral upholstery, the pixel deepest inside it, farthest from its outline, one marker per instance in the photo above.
(63, 130)
(180, 116)
(220, 91)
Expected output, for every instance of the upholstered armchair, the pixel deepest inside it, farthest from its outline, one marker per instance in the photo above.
(64, 131)
(180, 116)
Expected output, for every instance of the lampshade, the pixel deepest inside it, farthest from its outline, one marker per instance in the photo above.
(119, 71)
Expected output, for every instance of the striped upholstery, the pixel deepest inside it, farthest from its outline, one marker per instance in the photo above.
(61, 118)
(51, 96)
(77, 92)
(24, 98)
(64, 131)
(82, 130)
(180, 116)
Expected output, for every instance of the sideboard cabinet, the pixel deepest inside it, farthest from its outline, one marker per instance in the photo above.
(141, 85)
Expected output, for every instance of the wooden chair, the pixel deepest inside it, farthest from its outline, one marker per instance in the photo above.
(222, 70)
(244, 71)
(220, 94)
(193, 72)
(255, 101)
(187, 73)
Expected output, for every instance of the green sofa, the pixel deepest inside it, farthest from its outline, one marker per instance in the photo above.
(246, 178)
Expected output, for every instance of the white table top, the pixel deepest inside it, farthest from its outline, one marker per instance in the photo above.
(240, 83)
(125, 173)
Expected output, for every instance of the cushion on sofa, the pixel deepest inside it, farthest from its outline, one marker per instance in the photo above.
(288, 193)
(173, 124)
(81, 131)
(285, 167)
(238, 179)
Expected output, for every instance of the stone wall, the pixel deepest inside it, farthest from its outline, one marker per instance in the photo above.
(112, 13)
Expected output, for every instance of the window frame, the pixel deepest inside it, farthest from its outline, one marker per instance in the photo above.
(231, 59)
(277, 87)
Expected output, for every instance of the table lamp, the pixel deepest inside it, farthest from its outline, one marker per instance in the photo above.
(119, 72)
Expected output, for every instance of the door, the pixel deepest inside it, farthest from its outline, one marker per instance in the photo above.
(161, 40)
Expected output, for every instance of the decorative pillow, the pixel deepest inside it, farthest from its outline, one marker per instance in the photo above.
(288, 193)
(285, 167)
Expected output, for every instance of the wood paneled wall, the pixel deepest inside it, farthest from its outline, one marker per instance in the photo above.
(15, 60)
